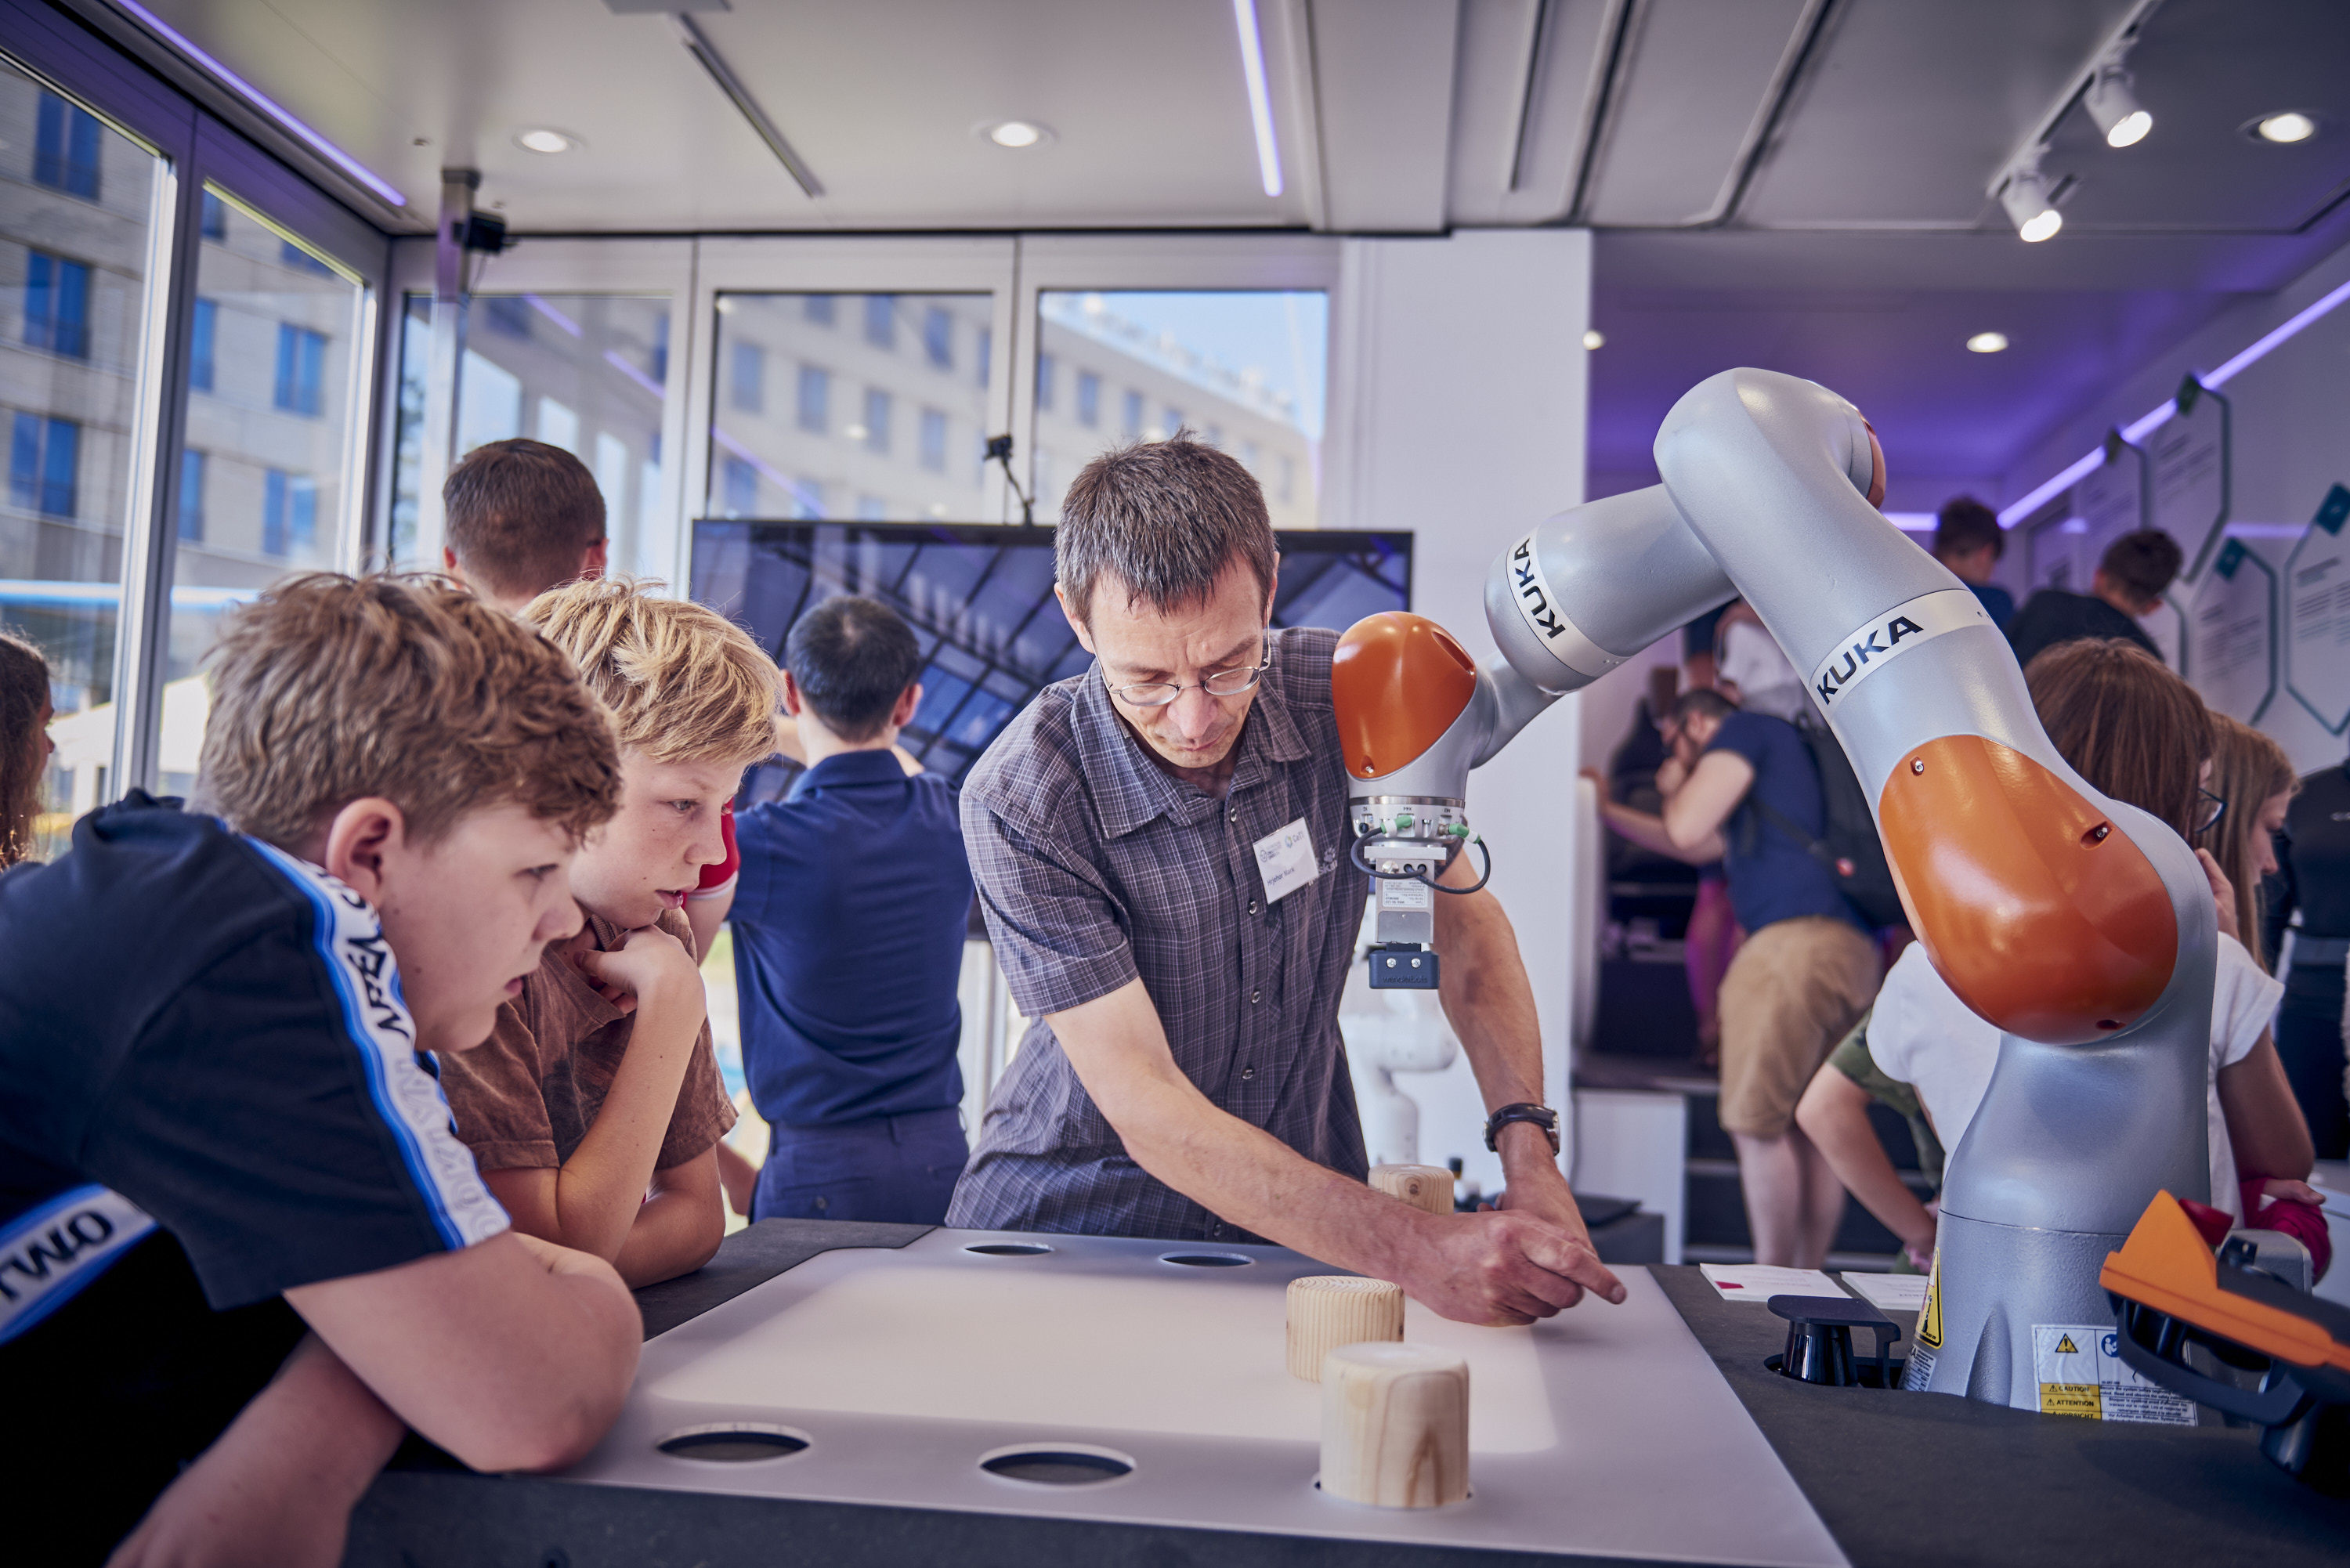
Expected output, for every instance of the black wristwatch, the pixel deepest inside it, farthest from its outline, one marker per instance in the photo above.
(1542, 1117)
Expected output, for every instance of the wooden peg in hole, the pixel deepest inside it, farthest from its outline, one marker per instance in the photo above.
(1428, 1187)
(1326, 1310)
(1395, 1425)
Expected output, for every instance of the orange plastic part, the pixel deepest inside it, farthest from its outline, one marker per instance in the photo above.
(1398, 681)
(2167, 1265)
(2039, 912)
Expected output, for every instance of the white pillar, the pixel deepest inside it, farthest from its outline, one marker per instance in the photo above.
(1459, 390)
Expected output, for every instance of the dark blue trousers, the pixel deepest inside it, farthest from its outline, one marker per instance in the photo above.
(890, 1169)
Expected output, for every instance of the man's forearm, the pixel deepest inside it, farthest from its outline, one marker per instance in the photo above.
(1649, 832)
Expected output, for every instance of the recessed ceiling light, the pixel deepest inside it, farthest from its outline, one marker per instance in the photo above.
(1016, 133)
(1987, 343)
(1595, 338)
(2290, 126)
(542, 140)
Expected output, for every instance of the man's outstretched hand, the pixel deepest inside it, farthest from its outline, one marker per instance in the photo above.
(1501, 1267)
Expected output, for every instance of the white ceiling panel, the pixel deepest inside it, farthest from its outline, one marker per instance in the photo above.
(1383, 73)
(1526, 72)
(1913, 105)
(883, 99)
(1693, 79)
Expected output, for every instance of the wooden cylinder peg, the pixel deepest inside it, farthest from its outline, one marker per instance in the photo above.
(1428, 1187)
(1395, 1425)
(1326, 1310)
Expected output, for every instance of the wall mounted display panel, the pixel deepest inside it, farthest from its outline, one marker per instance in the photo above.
(981, 600)
(1246, 370)
(84, 227)
(2190, 460)
(2318, 615)
(2231, 633)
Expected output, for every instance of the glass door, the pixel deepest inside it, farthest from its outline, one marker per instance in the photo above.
(79, 238)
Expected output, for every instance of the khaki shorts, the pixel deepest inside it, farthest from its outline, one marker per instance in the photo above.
(1795, 989)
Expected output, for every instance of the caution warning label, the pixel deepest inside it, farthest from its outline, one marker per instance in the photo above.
(1930, 1322)
(2080, 1372)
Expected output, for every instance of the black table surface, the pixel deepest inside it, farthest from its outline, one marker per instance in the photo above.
(1902, 1480)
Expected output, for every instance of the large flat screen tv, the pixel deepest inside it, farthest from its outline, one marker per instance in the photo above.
(979, 598)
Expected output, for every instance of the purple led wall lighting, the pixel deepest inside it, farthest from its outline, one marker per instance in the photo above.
(2137, 431)
(262, 101)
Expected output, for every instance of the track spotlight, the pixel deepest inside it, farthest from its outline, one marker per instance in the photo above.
(2116, 109)
(2025, 197)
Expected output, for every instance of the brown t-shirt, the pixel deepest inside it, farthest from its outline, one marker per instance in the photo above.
(524, 1097)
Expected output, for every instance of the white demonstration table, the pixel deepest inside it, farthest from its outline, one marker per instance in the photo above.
(1606, 1430)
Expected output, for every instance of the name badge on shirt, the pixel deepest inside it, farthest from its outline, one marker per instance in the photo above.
(1285, 858)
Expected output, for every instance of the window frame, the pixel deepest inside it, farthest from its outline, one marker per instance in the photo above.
(193, 148)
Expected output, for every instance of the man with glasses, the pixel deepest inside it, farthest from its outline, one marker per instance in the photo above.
(1159, 848)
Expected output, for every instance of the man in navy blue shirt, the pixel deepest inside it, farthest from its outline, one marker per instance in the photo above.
(1969, 541)
(849, 921)
(1743, 789)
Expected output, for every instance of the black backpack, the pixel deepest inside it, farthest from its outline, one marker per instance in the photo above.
(1848, 846)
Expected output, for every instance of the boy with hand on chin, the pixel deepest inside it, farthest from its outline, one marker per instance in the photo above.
(596, 1106)
(240, 1250)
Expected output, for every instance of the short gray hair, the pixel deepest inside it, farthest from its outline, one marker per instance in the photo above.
(1166, 518)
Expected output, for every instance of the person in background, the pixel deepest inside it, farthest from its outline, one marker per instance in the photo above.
(523, 518)
(1969, 540)
(598, 1086)
(2140, 735)
(1698, 665)
(1753, 671)
(2135, 573)
(25, 744)
(1834, 1114)
(2313, 882)
(247, 1253)
(1806, 971)
(849, 916)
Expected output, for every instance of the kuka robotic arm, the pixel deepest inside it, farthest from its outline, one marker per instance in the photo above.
(2082, 927)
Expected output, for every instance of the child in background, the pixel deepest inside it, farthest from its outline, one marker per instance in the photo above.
(25, 744)
(599, 1084)
(2140, 734)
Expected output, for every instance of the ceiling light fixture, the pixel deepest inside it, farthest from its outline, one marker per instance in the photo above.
(1015, 133)
(543, 139)
(1987, 343)
(2025, 197)
(2286, 128)
(2102, 87)
(2115, 108)
(1595, 338)
(1260, 95)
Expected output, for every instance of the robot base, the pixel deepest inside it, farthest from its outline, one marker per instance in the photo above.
(1985, 1349)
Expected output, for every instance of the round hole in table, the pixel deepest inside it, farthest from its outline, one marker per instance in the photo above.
(734, 1442)
(1206, 1260)
(1057, 1464)
(1009, 1249)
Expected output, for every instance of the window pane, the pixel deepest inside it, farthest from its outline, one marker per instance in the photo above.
(1244, 369)
(262, 482)
(74, 238)
(587, 372)
(877, 413)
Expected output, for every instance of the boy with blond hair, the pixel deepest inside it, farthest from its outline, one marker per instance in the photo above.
(238, 1244)
(599, 1085)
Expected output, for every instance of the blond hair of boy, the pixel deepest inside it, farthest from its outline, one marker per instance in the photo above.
(599, 1084)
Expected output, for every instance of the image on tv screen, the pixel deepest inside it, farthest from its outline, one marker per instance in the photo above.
(979, 598)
